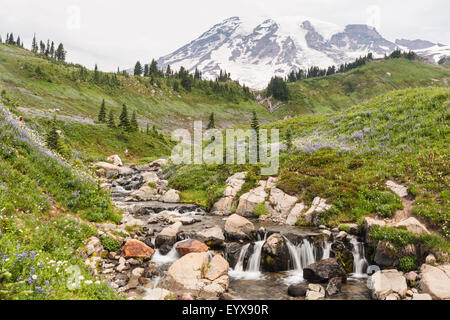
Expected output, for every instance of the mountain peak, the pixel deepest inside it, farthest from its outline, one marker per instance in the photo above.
(253, 49)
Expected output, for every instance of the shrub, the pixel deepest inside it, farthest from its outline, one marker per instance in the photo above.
(344, 227)
(110, 244)
(408, 263)
(260, 209)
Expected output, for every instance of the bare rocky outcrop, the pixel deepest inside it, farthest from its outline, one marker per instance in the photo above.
(413, 225)
(248, 201)
(318, 206)
(295, 213)
(225, 204)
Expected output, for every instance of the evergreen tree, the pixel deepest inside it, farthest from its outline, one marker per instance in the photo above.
(124, 123)
(176, 86)
(153, 71)
(41, 47)
(278, 88)
(147, 131)
(53, 137)
(168, 72)
(146, 70)
(60, 53)
(96, 74)
(102, 113)
(134, 126)
(34, 45)
(52, 50)
(138, 69)
(47, 49)
(111, 121)
(211, 124)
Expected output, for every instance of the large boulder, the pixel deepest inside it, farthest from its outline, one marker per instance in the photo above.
(136, 249)
(249, 200)
(323, 271)
(150, 177)
(295, 213)
(388, 282)
(189, 246)
(275, 254)
(435, 281)
(171, 196)
(186, 273)
(212, 237)
(168, 235)
(238, 227)
(385, 255)
(196, 274)
(216, 268)
(223, 206)
(145, 193)
(413, 225)
(343, 252)
(318, 206)
(281, 204)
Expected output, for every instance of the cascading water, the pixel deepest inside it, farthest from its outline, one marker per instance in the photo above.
(326, 250)
(252, 272)
(302, 255)
(359, 259)
(170, 257)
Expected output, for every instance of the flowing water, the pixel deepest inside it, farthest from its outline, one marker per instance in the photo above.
(359, 259)
(253, 268)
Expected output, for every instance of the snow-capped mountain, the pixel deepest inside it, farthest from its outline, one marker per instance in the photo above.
(255, 49)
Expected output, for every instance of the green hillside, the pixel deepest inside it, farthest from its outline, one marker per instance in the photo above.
(340, 91)
(34, 81)
(346, 157)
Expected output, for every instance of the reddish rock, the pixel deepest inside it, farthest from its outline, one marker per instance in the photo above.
(136, 249)
(190, 246)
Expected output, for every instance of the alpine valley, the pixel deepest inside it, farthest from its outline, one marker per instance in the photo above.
(93, 207)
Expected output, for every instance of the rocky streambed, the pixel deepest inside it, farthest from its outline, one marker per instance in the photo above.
(172, 250)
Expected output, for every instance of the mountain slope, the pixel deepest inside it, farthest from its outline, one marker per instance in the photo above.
(40, 85)
(341, 91)
(255, 49)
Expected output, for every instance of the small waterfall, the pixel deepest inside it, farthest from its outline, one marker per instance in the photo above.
(303, 255)
(326, 250)
(252, 272)
(255, 259)
(359, 259)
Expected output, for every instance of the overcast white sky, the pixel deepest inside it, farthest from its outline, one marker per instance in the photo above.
(118, 33)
